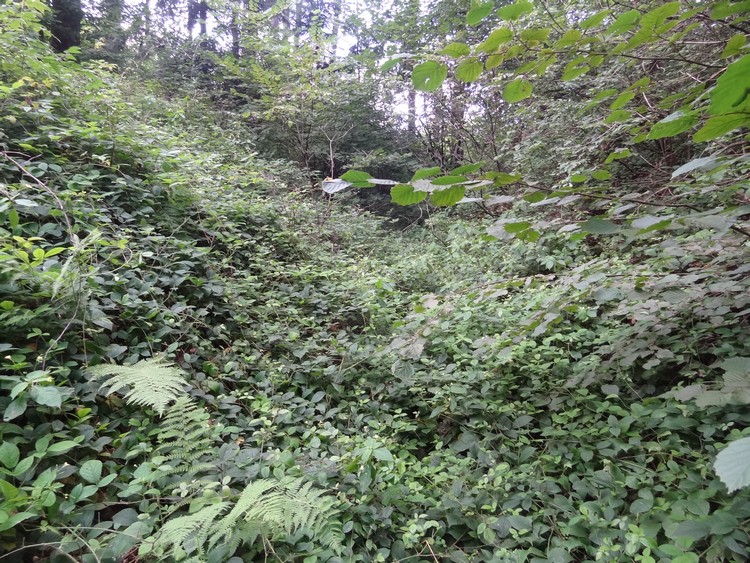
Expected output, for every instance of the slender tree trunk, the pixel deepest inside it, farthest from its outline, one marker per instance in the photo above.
(412, 111)
(66, 24)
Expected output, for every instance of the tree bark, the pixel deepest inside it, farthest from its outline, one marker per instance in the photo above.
(66, 24)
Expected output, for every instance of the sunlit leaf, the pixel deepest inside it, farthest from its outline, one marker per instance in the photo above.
(429, 76)
(517, 90)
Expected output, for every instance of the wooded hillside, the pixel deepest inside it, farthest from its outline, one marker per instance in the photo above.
(415, 281)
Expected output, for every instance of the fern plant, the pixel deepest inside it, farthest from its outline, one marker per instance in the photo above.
(186, 445)
(265, 508)
(153, 383)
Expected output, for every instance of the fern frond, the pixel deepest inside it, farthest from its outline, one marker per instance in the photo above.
(185, 433)
(174, 533)
(268, 507)
(154, 382)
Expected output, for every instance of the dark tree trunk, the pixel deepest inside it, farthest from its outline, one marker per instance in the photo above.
(66, 24)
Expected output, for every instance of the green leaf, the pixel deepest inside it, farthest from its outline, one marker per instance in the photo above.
(91, 471)
(515, 10)
(382, 454)
(733, 464)
(718, 126)
(599, 226)
(618, 115)
(622, 100)
(658, 16)
(601, 175)
(9, 454)
(355, 176)
(596, 19)
(404, 194)
(448, 180)
(423, 173)
(467, 168)
(578, 178)
(48, 395)
(641, 505)
(494, 61)
(729, 8)
(456, 50)
(672, 125)
(736, 366)
(617, 155)
(536, 34)
(61, 447)
(732, 88)
(495, 39)
(16, 519)
(573, 70)
(734, 46)
(570, 37)
(15, 409)
(624, 23)
(451, 196)
(478, 12)
(517, 90)
(516, 227)
(469, 71)
(649, 224)
(429, 76)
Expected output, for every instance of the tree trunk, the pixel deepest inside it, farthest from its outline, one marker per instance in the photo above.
(412, 115)
(66, 24)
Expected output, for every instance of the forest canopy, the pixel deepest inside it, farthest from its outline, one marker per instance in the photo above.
(413, 280)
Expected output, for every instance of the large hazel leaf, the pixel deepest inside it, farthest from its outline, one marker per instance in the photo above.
(732, 88)
(478, 12)
(429, 76)
(404, 194)
(469, 71)
(515, 10)
(733, 464)
(448, 197)
(517, 90)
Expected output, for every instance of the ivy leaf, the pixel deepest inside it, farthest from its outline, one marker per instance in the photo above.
(423, 173)
(429, 76)
(517, 90)
(404, 194)
(599, 226)
(448, 197)
(478, 12)
(733, 464)
(355, 176)
(469, 71)
(515, 10)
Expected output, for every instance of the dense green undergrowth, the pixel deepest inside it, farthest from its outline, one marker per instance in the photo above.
(369, 395)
